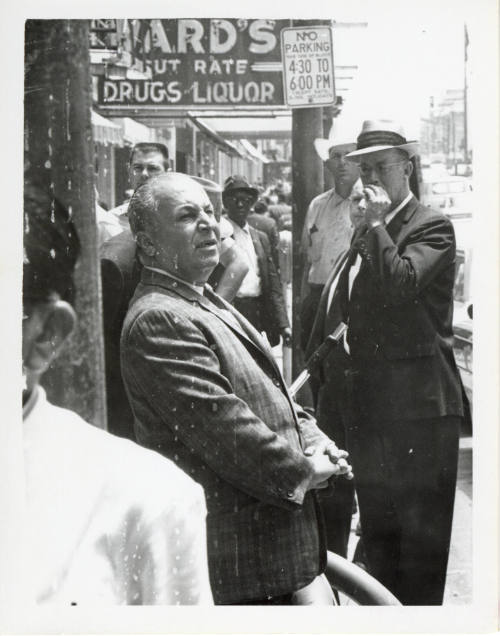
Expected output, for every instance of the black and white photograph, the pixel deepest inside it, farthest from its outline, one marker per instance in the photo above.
(258, 325)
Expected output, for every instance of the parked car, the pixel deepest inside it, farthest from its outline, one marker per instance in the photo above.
(451, 194)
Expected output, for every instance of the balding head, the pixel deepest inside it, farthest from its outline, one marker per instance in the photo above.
(173, 221)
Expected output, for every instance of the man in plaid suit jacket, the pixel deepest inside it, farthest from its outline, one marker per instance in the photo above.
(207, 393)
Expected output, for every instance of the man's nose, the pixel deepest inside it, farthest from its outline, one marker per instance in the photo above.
(207, 221)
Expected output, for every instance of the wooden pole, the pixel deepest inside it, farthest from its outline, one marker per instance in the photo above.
(308, 181)
(59, 156)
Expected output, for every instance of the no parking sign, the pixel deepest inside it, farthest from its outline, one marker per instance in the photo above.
(308, 69)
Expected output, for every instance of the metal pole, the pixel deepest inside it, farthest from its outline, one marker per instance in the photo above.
(59, 155)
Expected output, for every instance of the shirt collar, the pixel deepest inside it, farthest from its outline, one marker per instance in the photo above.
(196, 288)
(393, 213)
(245, 228)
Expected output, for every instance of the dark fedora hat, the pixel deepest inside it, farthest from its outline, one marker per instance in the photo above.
(381, 134)
(238, 182)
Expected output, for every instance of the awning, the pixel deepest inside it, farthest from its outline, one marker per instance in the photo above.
(105, 131)
(252, 150)
(134, 132)
(227, 146)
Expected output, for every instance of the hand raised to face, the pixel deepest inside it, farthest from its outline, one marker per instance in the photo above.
(377, 204)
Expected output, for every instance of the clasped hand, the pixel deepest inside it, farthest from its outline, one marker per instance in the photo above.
(328, 460)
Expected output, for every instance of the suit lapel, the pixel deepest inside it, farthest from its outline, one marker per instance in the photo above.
(259, 251)
(396, 225)
(215, 305)
(241, 326)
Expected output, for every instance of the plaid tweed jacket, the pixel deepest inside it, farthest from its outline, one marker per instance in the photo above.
(206, 392)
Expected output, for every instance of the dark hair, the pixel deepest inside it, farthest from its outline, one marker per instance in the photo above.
(260, 207)
(51, 247)
(146, 146)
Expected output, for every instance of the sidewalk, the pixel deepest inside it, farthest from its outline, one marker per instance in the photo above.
(458, 589)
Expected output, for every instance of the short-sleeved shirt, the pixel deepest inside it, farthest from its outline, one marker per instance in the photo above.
(327, 234)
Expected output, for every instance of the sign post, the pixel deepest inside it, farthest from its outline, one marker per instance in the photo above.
(306, 49)
(308, 70)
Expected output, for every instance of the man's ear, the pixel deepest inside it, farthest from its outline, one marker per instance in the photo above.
(145, 243)
(57, 321)
(409, 169)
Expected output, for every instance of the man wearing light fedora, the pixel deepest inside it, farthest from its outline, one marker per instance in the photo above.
(395, 381)
(327, 227)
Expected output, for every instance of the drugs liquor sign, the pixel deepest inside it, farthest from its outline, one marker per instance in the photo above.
(308, 70)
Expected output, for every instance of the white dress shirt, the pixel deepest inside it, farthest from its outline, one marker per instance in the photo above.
(251, 285)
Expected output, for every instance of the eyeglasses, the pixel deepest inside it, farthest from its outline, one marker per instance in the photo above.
(239, 198)
(382, 169)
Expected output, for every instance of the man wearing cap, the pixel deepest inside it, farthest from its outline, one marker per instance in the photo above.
(260, 297)
(327, 228)
(397, 384)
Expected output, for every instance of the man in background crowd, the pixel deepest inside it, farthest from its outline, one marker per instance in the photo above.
(327, 228)
(281, 211)
(147, 159)
(260, 220)
(260, 297)
(110, 523)
(206, 391)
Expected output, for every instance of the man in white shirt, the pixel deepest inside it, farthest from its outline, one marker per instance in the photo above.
(110, 523)
(260, 297)
(327, 228)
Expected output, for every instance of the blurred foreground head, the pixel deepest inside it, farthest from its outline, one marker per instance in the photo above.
(51, 248)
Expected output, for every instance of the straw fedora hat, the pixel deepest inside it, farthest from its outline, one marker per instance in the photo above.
(382, 134)
(323, 146)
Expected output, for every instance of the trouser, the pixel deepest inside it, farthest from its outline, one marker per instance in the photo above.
(337, 505)
(252, 307)
(308, 311)
(405, 478)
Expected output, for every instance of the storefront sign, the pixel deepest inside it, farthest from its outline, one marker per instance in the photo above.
(308, 71)
(200, 63)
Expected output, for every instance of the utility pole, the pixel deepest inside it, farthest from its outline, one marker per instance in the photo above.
(59, 157)
(308, 181)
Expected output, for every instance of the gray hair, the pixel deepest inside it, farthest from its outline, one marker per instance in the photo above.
(143, 207)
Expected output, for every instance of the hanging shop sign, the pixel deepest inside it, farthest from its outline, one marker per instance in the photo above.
(200, 63)
(308, 70)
